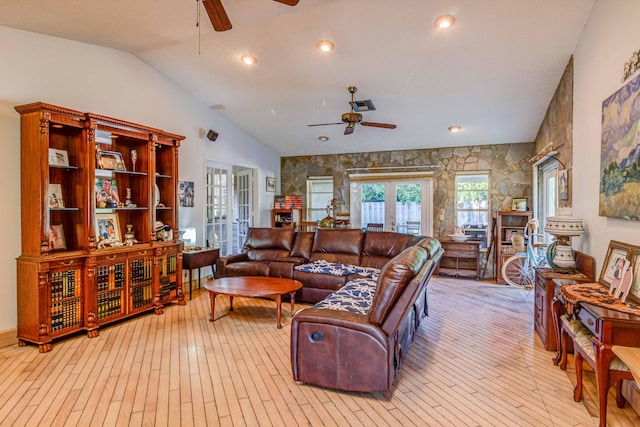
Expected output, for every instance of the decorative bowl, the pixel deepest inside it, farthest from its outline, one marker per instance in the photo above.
(458, 237)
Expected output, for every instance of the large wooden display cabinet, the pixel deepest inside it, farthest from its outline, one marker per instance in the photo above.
(83, 285)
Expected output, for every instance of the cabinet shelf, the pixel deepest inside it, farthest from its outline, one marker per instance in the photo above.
(508, 223)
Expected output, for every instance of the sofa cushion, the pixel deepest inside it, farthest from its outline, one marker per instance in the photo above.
(268, 244)
(338, 245)
(247, 268)
(335, 269)
(394, 277)
(303, 244)
(380, 247)
(356, 297)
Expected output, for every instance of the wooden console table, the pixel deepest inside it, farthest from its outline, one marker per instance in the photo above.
(460, 259)
(198, 259)
(609, 327)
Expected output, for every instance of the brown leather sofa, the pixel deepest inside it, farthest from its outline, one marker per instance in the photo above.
(276, 251)
(363, 351)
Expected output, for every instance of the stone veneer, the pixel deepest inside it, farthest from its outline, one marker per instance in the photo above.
(556, 130)
(509, 166)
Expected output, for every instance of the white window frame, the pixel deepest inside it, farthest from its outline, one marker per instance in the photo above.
(310, 193)
(460, 176)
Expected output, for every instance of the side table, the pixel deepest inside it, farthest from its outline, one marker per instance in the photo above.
(198, 259)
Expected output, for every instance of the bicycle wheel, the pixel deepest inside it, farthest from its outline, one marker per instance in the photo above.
(517, 272)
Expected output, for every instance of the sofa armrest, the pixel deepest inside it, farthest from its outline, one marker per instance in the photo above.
(221, 263)
(341, 350)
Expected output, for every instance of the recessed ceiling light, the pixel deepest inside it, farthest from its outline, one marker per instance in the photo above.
(454, 129)
(323, 138)
(444, 21)
(248, 59)
(326, 45)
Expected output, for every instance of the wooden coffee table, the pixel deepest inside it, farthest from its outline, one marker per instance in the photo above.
(253, 286)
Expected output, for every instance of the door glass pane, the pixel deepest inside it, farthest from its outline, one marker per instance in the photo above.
(409, 208)
(372, 206)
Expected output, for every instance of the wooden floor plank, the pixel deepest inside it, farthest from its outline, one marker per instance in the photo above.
(475, 361)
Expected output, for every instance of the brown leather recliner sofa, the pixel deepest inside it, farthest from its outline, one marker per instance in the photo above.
(357, 334)
(276, 252)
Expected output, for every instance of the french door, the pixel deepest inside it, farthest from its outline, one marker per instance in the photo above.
(549, 196)
(404, 206)
(243, 198)
(217, 202)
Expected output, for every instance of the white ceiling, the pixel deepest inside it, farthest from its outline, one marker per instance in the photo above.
(493, 73)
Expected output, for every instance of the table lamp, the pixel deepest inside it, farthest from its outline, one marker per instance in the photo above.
(563, 226)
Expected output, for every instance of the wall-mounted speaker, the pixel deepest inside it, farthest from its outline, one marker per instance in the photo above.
(212, 135)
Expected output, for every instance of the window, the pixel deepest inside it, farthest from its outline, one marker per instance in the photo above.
(319, 195)
(472, 205)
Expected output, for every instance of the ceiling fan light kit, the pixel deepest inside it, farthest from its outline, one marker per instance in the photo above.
(445, 21)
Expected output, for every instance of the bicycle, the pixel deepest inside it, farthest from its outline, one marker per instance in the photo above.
(518, 271)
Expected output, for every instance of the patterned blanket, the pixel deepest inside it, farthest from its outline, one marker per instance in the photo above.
(356, 296)
(335, 269)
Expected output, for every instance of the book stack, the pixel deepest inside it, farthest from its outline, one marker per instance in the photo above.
(140, 270)
(110, 277)
(66, 284)
(141, 295)
(109, 304)
(65, 314)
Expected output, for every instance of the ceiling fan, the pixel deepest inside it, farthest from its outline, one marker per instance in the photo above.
(353, 117)
(219, 17)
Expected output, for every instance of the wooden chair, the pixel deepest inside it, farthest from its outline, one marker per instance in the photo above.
(375, 227)
(308, 226)
(413, 227)
(584, 349)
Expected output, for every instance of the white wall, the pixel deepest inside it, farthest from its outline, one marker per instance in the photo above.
(113, 83)
(611, 35)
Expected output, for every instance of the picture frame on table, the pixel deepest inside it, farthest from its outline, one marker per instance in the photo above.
(634, 292)
(615, 252)
(271, 184)
(110, 160)
(58, 157)
(519, 205)
(108, 227)
(56, 238)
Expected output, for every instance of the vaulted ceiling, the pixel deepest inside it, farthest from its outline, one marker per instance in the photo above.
(493, 72)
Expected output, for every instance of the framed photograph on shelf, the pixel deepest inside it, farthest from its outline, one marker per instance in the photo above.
(271, 184)
(634, 292)
(106, 193)
(54, 196)
(58, 157)
(111, 160)
(56, 238)
(616, 254)
(107, 226)
(519, 205)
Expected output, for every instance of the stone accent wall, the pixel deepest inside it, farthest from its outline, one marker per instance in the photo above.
(509, 166)
(557, 127)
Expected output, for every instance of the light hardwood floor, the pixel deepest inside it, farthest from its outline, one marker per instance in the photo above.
(475, 361)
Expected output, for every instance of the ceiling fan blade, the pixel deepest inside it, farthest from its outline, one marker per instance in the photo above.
(289, 2)
(217, 15)
(326, 124)
(378, 125)
(349, 130)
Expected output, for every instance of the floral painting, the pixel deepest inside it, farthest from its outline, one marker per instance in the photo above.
(620, 153)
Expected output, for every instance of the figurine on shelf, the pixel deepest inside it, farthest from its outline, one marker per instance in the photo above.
(163, 232)
(134, 158)
(128, 203)
(106, 242)
(129, 237)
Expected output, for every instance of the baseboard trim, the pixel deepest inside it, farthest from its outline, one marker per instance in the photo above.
(8, 337)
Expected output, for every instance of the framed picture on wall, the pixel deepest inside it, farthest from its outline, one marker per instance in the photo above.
(271, 184)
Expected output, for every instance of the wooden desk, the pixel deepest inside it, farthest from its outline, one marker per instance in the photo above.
(610, 328)
(198, 259)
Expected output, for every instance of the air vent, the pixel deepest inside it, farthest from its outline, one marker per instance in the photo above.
(364, 105)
